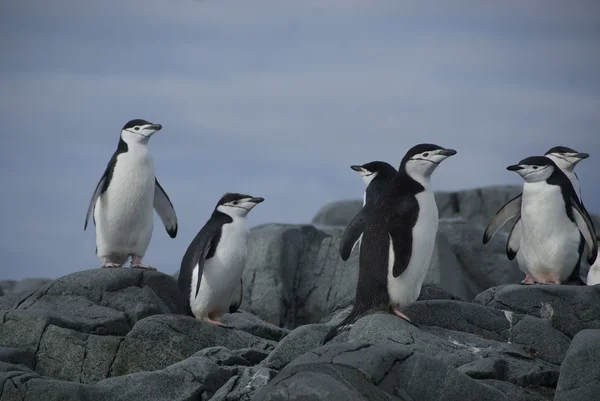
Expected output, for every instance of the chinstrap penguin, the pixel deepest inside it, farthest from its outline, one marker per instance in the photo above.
(210, 278)
(555, 228)
(376, 175)
(123, 200)
(566, 159)
(399, 237)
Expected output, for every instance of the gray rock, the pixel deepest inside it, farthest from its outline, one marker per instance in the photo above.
(569, 309)
(161, 340)
(241, 387)
(516, 393)
(580, 373)
(252, 324)
(456, 349)
(535, 334)
(194, 378)
(339, 213)
(372, 372)
(294, 274)
(298, 342)
(240, 357)
(74, 325)
(30, 284)
(6, 286)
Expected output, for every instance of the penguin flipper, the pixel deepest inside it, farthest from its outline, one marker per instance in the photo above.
(236, 305)
(586, 227)
(101, 187)
(352, 233)
(193, 258)
(514, 239)
(509, 210)
(165, 209)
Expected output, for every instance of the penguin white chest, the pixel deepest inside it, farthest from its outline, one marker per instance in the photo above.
(549, 247)
(406, 288)
(123, 213)
(220, 282)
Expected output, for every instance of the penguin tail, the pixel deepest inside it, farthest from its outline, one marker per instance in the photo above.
(343, 325)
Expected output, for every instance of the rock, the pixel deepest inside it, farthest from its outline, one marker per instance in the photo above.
(226, 357)
(338, 213)
(535, 334)
(569, 309)
(6, 286)
(159, 341)
(580, 373)
(516, 393)
(372, 372)
(242, 386)
(252, 324)
(298, 342)
(194, 378)
(457, 349)
(294, 274)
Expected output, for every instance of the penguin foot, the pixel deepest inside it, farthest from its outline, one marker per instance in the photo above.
(142, 266)
(214, 322)
(110, 265)
(528, 280)
(401, 315)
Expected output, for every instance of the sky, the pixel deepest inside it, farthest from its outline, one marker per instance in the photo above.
(276, 99)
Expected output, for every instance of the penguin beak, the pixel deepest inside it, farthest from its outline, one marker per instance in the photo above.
(356, 168)
(581, 155)
(155, 127)
(447, 152)
(515, 167)
(256, 200)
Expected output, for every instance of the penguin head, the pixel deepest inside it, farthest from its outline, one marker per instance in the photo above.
(237, 205)
(370, 170)
(534, 169)
(565, 158)
(138, 131)
(421, 160)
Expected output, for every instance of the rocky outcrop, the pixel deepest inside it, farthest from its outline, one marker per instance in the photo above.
(294, 274)
(114, 334)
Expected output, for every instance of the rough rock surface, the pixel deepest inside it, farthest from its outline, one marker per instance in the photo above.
(112, 334)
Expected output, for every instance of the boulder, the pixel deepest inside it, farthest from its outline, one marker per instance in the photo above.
(294, 274)
(567, 308)
(580, 373)
(360, 371)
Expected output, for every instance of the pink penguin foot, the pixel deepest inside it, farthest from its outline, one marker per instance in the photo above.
(136, 263)
(213, 322)
(401, 315)
(528, 280)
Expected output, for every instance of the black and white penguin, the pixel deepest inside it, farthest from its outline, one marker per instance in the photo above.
(123, 200)
(376, 175)
(398, 241)
(210, 278)
(554, 227)
(566, 159)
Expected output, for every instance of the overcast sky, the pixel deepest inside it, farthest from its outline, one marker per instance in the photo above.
(276, 99)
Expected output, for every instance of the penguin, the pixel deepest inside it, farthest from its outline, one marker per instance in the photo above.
(210, 278)
(593, 276)
(124, 197)
(399, 237)
(555, 228)
(566, 159)
(376, 175)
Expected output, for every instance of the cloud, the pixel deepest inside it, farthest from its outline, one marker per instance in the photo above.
(276, 99)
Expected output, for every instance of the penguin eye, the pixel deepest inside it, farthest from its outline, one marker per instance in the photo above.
(535, 167)
(137, 128)
(425, 154)
(235, 202)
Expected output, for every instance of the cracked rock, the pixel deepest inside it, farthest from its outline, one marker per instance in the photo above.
(580, 373)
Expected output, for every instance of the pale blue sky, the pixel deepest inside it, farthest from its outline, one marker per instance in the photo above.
(276, 99)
